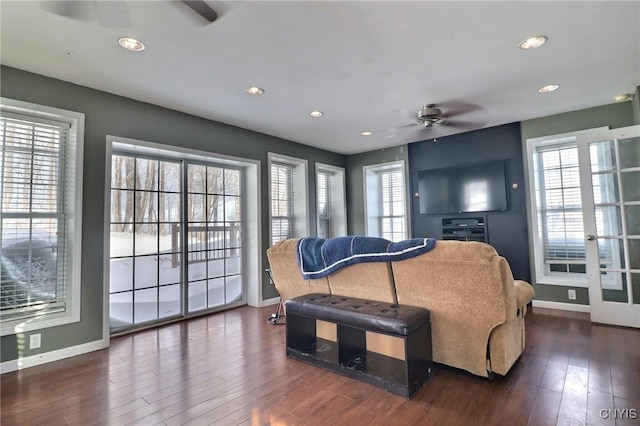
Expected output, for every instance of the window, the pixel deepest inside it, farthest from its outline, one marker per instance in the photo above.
(556, 199)
(385, 206)
(323, 192)
(288, 197)
(41, 184)
(559, 249)
(281, 202)
(559, 209)
(330, 194)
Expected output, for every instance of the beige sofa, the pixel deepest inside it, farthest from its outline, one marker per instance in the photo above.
(477, 308)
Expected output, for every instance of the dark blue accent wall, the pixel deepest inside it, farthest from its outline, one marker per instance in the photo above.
(506, 231)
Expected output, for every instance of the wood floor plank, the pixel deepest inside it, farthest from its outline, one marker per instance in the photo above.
(545, 409)
(230, 368)
(596, 402)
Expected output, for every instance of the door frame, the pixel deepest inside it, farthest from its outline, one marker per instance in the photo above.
(607, 312)
(254, 272)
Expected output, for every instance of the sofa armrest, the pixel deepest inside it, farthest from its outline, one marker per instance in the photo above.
(524, 293)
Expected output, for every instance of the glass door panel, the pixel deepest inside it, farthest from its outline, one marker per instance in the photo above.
(214, 241)
(612, 220)
(144, 249)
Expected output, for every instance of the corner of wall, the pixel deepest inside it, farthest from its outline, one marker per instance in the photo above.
(635, 104)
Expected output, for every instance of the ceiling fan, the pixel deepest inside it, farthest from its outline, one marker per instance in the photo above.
(447, 114)
(431, 114)
(114, 14)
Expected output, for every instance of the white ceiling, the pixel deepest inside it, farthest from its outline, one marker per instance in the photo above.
(366, 65)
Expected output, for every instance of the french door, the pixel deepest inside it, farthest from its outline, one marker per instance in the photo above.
(175, 239)
(610, 177)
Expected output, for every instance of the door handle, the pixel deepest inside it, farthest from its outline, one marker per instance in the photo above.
(591, 237)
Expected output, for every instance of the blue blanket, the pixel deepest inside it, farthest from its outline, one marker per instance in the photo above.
(319, 257)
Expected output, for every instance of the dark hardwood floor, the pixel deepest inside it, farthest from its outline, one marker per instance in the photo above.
(230, 368)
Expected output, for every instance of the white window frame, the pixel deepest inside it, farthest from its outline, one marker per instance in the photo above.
(74, 216)
(542, 275)
(300, 194)
(337, 199)
(373, 203)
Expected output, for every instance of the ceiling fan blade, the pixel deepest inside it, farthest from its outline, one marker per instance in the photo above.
(454, 108)
(392, 132)
(80, 11)
(202, 9)
(465, 125)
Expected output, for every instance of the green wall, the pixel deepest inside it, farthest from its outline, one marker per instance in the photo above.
(107, 114)
(613, 115)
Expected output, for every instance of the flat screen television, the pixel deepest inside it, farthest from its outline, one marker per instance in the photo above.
(479, 187)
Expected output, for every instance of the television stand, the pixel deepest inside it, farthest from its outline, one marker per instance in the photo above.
(464, 229)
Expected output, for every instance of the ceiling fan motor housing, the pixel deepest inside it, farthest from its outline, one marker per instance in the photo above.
(429, 115)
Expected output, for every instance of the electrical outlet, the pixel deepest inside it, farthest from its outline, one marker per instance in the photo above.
(35, 341)
(572, 294)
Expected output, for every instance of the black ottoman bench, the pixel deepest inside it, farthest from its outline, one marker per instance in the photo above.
(385, 345)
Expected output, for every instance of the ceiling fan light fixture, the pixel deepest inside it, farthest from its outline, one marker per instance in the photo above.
(429, 115)
(532, 43)
(316, 114)
(254, 91)
(131, 44)
(549, 88)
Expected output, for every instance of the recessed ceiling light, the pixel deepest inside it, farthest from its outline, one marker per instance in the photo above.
(254, 90)
(366, 133)
(548, 88)
(316, 114)
(624, 97)
(131, 44)
(533, 42)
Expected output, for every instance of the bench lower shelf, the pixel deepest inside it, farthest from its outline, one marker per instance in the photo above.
(349, 356)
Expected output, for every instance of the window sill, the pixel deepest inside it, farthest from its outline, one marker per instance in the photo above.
(37, 323)
(563, 281)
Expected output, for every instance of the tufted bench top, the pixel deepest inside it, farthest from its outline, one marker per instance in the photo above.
(366, 314)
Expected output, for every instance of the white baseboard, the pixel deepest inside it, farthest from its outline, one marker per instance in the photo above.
(32, 361)
(270, 302)
(561, 306)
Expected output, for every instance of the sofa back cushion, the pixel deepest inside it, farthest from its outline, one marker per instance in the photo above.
(466, 273)
(371, 280)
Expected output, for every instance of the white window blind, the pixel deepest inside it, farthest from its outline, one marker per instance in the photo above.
(35, 206)
(386, 215)
(392, 204)
(282, 212)
(559, 209)
(325, 219)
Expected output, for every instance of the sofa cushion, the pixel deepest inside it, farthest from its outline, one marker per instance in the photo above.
(366, 281)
